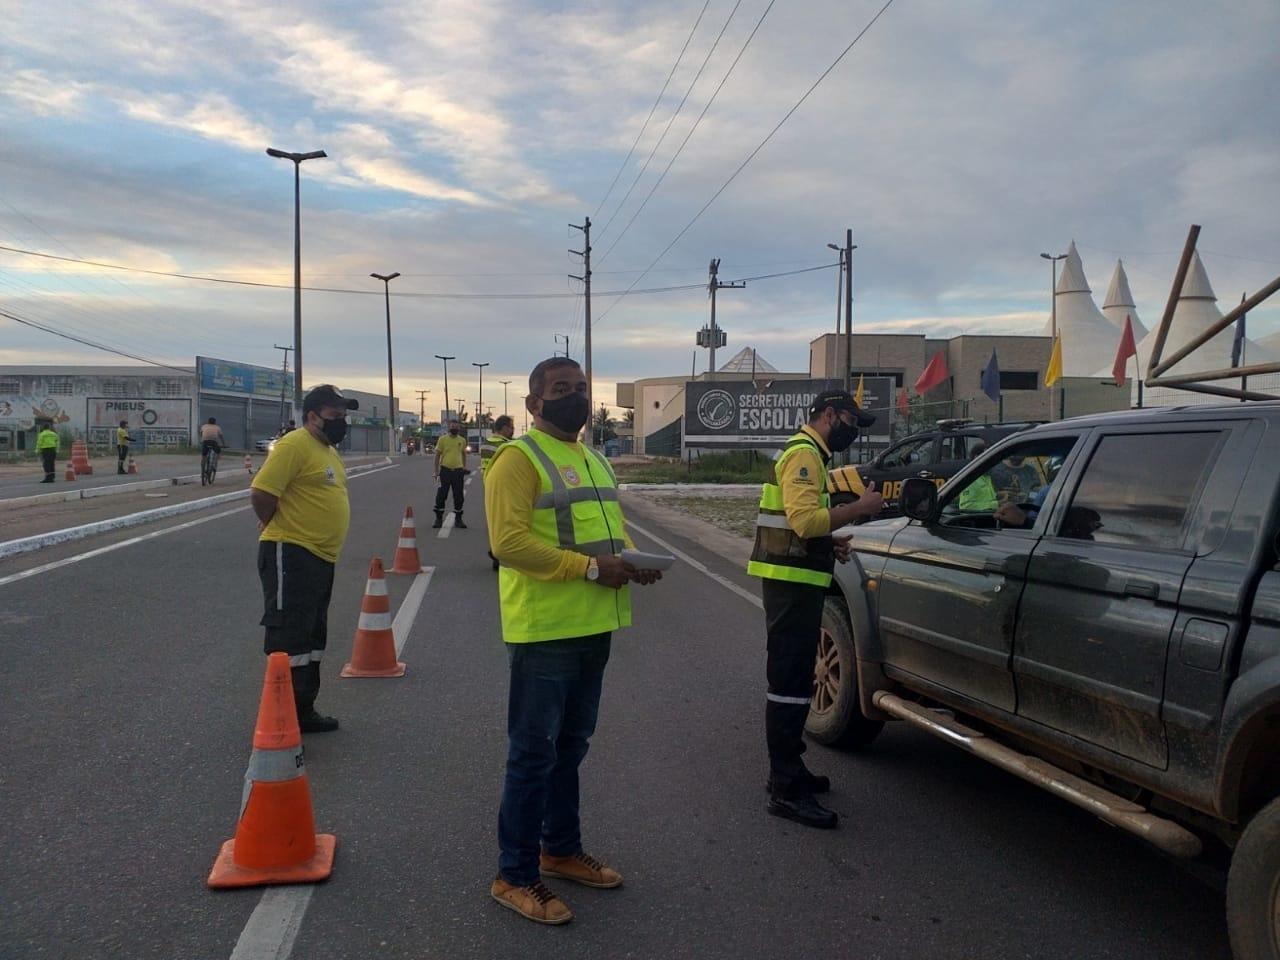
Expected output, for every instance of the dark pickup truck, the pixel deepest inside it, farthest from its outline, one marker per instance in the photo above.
(1111, 634)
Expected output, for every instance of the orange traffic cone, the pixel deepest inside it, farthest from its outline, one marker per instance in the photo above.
(374, 651)
(133, 467)
(248, 465)
(71, 471)
(407, 560)
(80, 458)
(276, 839)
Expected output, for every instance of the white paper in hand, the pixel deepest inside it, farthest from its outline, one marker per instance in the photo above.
(647, 561)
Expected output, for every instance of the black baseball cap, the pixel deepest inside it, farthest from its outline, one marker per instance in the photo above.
(841, 400)
(327, 395)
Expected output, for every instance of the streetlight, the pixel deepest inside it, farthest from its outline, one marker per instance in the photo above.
(505, 384)
(297, 159)
(839, 291)
(846, 261)
(1053, 306)
(480, 397)
(446, 382)
(391, 407)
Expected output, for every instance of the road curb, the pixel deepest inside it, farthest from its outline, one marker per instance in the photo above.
(692, 489)
(90, 493)
(13, 548)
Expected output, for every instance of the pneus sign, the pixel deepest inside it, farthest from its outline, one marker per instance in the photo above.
(162, 421)
(731, 413)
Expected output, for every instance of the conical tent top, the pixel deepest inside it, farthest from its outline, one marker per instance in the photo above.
(1118, 293)
(277, 727)
(1196, 286)
(1072, 278)
(375, 569)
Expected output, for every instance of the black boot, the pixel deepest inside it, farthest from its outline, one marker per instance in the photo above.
(457, 520)
(807, 782)
(803, 809)
(309, 721)
(439, 520)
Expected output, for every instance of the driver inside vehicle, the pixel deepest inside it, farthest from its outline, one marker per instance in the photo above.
(1024, 513)
(1012, 491)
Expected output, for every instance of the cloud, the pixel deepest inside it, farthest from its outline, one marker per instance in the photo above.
(212, 116)
(46, 96)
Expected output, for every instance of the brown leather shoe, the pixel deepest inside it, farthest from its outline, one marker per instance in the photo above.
(537, 902)
(580, 868)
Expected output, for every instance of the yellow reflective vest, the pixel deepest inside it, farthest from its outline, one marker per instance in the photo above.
(779, 553)
(487, 450)
(577, 509)
(46, 440)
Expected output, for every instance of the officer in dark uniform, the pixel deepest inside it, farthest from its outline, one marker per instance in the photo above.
(794, 555)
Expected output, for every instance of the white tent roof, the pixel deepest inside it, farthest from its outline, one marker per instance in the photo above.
(1194, 313)
(1119, 303)
(1089, 339)
(741, 362)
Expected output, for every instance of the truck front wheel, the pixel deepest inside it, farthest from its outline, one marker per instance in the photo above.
(835, 718)
(1253, 888)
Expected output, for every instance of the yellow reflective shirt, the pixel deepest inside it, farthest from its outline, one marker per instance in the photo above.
(308, 477)
(801, 481)
(122, 437)
(452, 451)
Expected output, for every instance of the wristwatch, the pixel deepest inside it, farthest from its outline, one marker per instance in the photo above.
(593, 570)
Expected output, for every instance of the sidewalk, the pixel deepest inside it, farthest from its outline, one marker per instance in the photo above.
(23, 479)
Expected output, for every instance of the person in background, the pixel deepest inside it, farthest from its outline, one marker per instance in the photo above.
(211, 437)
(504, 428)
(300, 498)
(47, 446)
(122, 445)
(979, 496)
(451, 472)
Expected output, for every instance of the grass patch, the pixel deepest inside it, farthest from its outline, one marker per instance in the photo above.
(731, 514)
(734, 467)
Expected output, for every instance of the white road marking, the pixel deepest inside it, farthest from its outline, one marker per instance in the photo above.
(274, 924)
(67, 561)
(403, 622)
(446, 527)
(700, 567)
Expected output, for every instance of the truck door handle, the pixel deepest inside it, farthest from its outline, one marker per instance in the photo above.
(925, 475)
(1142, 588)
(993, 566)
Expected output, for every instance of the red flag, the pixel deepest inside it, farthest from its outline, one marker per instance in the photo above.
(902, 401)
(934, 374)
(1123, 353)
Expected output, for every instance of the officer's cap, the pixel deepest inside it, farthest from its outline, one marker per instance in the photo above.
(841, 400)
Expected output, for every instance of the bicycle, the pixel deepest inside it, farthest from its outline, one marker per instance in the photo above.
(208, 466)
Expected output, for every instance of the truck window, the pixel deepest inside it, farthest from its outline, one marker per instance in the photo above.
(910, 452)
(1138, 489)
(961, 446)
(1011, 490)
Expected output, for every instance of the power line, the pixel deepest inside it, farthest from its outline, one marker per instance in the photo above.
(645, 126)
(667, 129)
(88, 343)
(680, 149)
(751, 156)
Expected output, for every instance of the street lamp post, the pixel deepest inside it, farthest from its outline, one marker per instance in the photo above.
(297, 159)
(505, 383)
(391, 390)
(480, 396)
(846, 270)
(446, 383)
(1053, 306)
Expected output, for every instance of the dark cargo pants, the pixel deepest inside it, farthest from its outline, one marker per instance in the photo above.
(296, 588)
(793, 618)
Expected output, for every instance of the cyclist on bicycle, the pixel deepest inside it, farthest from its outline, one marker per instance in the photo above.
(211, 437)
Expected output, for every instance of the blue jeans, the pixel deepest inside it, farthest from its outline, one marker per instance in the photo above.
(551, 715)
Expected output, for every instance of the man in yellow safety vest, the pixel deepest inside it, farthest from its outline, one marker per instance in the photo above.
(556, 525)
(795, 554)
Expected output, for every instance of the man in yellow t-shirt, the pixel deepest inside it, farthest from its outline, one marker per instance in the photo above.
(300, 497)
(122, 445)
(451, 471)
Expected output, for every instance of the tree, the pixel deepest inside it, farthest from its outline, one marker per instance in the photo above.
(602, 425)
(629, 418)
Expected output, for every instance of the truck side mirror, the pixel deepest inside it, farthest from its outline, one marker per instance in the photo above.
(919, 499)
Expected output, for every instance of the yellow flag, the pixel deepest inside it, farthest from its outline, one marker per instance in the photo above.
(857, 394)
(1054, 371)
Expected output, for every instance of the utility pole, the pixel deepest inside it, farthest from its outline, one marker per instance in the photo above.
(393, 431)
(480, 395)
(585, 253)
(446, 381)
(505, 384)
(565, 338)
(1053, 309)
(284, 382)
(422, 407)
(849, 247)
(712, 337)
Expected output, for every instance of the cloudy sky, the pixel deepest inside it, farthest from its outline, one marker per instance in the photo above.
(958, 140)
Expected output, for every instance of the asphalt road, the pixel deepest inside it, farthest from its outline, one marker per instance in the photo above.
(128, 697)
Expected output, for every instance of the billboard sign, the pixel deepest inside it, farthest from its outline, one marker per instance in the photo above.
(160, 421)
(744, 413)
(226, 377)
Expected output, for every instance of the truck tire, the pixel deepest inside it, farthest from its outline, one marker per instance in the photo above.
(835, 719)
(1253, 888)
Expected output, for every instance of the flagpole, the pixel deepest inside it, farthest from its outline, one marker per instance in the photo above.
(1244, 381)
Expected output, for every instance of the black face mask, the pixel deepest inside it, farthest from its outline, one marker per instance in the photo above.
(334, 430)
(842, 436)
(453, 431)
(568, 413)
